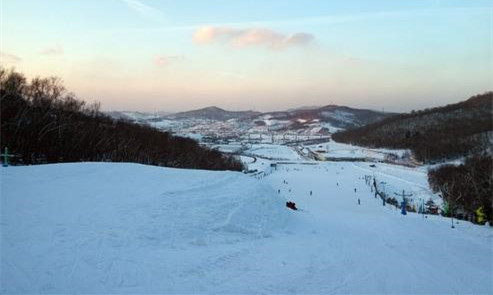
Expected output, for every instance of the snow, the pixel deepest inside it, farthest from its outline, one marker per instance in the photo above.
(277, 152)
(329, 126)
(119, 228)
(227, 148)
(339, 115)
(343, 247)
(341, 150)
(127, 228)
(196, 136)
(163, 124)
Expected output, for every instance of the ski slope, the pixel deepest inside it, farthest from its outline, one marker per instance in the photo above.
(271, 151)
(334, 149)
(372, 249)
(126, 228)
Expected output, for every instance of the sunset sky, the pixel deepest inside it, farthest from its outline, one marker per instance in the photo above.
(163, 55)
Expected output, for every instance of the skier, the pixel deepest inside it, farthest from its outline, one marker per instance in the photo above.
(403, 207)
(359, 202)
(291, 205)
(354, 189)
(310, 193)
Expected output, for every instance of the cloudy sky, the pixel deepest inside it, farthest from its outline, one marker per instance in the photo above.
(173, 55)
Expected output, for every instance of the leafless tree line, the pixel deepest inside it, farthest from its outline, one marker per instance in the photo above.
(43, 123)
(466, 188)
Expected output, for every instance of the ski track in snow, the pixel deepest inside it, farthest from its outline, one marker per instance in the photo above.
(126, 228)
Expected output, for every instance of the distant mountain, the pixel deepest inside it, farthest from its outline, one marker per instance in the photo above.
(135, 116)
(303, 108)
(337, 116)
(433, 134)
(213, 113)
(214, 120)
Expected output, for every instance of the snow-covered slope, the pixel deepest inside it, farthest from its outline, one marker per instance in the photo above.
(276, 152)
(126, 228)
(340, 247)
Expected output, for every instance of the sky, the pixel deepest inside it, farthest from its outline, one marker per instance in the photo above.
(176, 55)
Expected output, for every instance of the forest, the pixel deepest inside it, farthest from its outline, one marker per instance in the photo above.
(41, 122)
(467, 189)
(433, 135)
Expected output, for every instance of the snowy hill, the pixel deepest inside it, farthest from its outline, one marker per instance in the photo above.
(213, 113)
(337, 116)
(127, 228)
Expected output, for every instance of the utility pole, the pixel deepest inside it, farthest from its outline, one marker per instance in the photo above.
(404, 201)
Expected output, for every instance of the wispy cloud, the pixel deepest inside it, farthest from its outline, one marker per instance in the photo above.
(57, 50)
(8, 58)
(165, 60)
(250, 37)
(144, 10)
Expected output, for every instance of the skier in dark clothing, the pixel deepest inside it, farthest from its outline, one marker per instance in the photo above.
(291, 205)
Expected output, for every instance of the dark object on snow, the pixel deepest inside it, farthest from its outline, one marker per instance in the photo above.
(373, 165)
(291, 205)
(359, 202)
(403, 207)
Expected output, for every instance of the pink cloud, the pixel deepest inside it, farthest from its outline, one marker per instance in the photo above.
(165, 60)
(250, 37)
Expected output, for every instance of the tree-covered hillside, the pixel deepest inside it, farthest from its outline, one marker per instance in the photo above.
(43, 123)
(435, 134)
